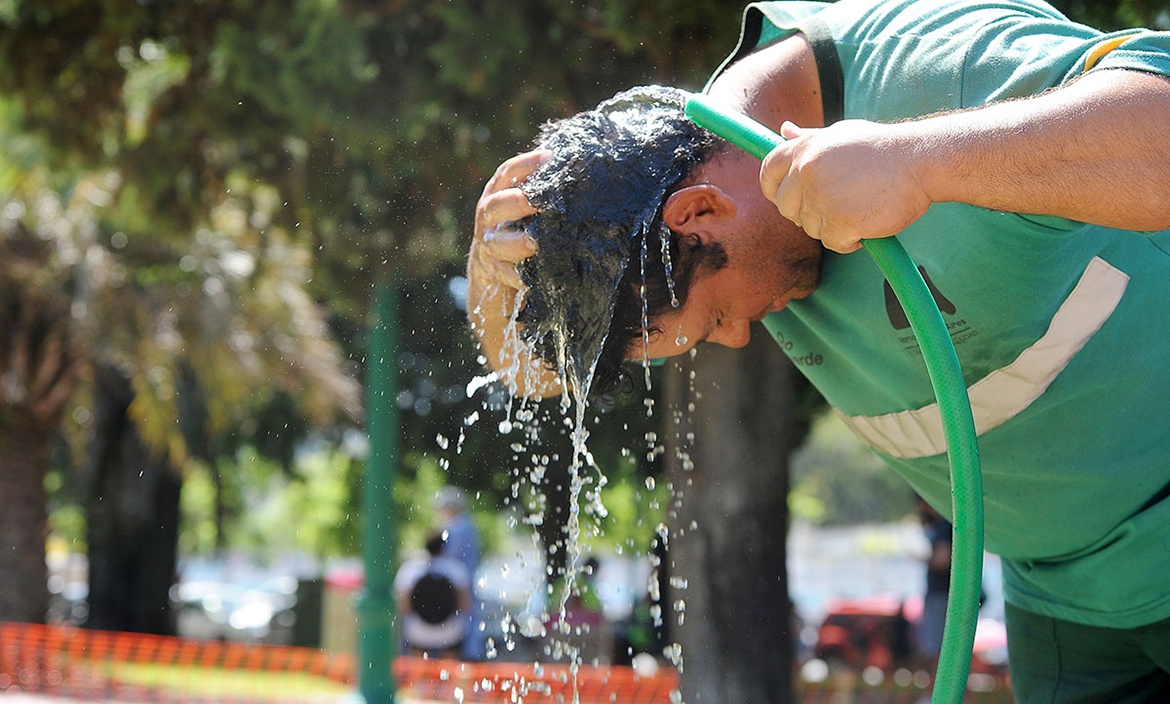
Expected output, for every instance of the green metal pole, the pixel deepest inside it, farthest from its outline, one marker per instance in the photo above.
(376, 608)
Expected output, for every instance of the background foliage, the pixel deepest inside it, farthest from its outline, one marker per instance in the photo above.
(197, 199)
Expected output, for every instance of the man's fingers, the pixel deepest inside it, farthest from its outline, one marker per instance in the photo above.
(789, 130)
(512, 172)
(498, 245)
(789, 200)
(504, 273)
(774, 170)
(784, 180)
(493, 259)
(501, 207)
(502, 201)
(508, 245)
(810, 222)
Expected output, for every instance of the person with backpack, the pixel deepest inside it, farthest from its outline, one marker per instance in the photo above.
(434, 595)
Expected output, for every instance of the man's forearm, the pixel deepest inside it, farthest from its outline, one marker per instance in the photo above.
(1094, 151)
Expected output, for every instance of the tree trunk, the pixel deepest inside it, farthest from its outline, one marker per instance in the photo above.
(132, 510)
(727, 549)
(24, 456)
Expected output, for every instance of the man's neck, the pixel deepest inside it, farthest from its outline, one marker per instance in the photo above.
(775, 84)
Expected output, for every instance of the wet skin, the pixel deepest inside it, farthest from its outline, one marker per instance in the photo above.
(770, 261)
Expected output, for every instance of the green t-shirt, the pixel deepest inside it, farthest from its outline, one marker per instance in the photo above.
(1060, 326)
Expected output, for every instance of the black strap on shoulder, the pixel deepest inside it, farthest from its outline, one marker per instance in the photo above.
(749, 37)
(828, 68)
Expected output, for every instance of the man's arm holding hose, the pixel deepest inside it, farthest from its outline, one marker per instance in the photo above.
(493, 283)
(1093, 151)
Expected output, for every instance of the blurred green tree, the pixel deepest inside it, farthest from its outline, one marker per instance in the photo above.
(234, 163)
(1117, 14)
(184, 302)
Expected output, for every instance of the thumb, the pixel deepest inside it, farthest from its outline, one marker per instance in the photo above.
(789, 130)
(774, 169)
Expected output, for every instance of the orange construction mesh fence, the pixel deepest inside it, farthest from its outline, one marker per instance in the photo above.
(85, 664)
(128, 667)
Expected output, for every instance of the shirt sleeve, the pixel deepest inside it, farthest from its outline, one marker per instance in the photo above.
(1141, 50)
(906, 59)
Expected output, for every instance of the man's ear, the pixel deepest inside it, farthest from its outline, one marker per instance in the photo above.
(688, 209)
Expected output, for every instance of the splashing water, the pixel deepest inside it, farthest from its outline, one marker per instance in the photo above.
(599, 200)
(562, 636)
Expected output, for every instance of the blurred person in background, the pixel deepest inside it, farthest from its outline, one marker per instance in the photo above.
(462, 544)
(434, 596)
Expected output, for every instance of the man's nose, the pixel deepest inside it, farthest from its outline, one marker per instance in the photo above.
(732, 333)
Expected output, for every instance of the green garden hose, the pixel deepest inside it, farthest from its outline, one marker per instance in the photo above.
(946, 376)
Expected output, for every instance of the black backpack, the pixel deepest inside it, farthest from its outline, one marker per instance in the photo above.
(433, 598)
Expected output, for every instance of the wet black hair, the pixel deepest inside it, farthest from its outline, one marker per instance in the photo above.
(606, 264)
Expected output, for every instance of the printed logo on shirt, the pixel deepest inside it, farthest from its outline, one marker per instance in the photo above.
(809, 359)
(898, 316)
(959, 330)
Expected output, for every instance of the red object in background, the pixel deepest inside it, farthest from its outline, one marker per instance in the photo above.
(880, 632)
(870, 632)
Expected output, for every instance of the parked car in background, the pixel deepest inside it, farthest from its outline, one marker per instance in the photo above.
(218, 610)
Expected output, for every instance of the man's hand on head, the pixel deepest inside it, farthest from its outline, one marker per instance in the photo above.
(494, 286)
(497, 246)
